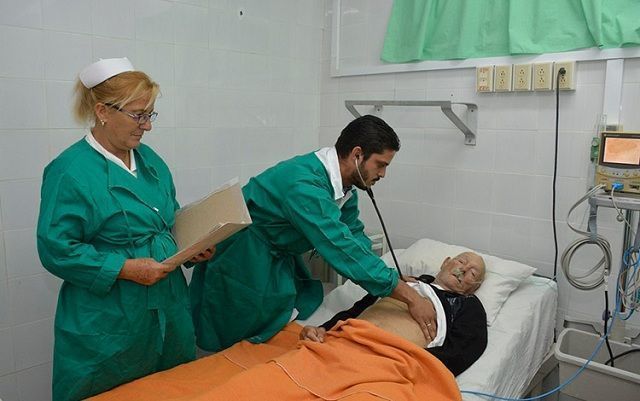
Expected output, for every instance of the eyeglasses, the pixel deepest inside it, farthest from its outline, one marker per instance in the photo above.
(139, 118)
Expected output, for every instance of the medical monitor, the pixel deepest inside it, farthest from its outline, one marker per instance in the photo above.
(619, 161)
(620, 150)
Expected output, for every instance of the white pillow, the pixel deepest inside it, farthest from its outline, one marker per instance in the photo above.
(501, 278)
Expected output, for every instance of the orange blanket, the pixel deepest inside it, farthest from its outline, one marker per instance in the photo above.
(357, 361)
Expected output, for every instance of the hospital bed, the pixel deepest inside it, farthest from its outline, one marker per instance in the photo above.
(521, 312)
(520, 337)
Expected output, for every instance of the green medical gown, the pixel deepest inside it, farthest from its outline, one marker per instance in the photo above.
(250, 288)
(93, 216)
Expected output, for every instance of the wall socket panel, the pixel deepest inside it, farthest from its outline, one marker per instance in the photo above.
(525, 77)
(543, 76)
(484, 79)
(502, 81)
(568, 80)
(522, 77)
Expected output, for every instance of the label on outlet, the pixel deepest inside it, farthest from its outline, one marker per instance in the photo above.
(484, 79)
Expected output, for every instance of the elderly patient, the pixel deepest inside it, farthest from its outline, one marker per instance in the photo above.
(462, 328)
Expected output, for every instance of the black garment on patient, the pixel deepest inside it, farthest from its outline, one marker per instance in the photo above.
(466, 337)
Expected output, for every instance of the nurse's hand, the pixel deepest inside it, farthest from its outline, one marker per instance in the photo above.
(204, 256)
(145, 271)
(312, 333)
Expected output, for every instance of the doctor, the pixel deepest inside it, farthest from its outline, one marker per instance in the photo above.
(252, 287)
(106, 213)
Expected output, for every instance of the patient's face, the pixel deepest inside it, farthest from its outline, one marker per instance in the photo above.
(462, 274)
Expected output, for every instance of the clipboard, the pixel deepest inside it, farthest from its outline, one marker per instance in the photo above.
(209, 221)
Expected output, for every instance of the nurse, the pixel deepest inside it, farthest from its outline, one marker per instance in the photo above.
(258, 281)
(106, 213)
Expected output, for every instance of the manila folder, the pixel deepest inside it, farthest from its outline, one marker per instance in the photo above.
(208, 221)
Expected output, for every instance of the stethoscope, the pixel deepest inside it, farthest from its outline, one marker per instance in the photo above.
(375, 206)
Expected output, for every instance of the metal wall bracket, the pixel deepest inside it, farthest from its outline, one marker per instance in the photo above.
(468, 127)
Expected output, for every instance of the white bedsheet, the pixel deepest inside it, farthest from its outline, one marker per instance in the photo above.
(518, 340)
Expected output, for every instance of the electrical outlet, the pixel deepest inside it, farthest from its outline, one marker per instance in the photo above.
(522, 77)
(568, 80)
(542, 76)
(503, 78)
(484, 79)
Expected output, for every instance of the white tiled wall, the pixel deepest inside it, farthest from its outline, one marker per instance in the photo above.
(238, 94)
(494, 197)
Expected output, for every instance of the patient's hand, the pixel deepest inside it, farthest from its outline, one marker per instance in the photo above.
(313, 333)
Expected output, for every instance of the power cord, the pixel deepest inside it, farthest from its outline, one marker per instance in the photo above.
(605, 317)
(631, 351)
(561, 71)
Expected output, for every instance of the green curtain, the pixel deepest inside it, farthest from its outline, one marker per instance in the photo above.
(459, 29)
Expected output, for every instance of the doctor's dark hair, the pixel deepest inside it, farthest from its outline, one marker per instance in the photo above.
(369, 132)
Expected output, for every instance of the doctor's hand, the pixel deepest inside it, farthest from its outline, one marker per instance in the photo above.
(204, 255)
(421, 309)
(424, 313)
(312, 333)
(145, 271)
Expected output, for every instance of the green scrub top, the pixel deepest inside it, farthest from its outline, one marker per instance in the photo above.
(250, 288)
(93, 216)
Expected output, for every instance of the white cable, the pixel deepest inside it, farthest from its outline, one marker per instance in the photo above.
(581, 281)
(620, 215)
(586, 196)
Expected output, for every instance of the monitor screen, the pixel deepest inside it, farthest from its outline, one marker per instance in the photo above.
(621, 150)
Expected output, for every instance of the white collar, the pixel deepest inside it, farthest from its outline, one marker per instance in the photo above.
(329, 159)
(91, 140)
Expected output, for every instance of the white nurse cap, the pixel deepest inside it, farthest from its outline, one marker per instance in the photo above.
(104, 69)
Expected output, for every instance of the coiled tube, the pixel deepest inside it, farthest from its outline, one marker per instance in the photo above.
(586, 281)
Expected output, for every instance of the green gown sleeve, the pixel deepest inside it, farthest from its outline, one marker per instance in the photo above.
(67, 218)
(316, 215)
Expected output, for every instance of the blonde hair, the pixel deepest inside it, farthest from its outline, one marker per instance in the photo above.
(118, 90)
